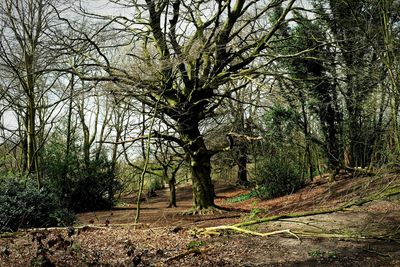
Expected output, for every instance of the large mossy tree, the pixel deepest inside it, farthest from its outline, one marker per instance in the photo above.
(178, 58)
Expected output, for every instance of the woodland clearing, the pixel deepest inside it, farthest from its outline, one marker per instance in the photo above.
(356, 222)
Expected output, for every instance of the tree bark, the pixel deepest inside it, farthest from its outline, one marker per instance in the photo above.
(242, 165)
(32, 164)
(242, 158)
(308, 156)
(199, 164)
(172, 192)
(203, 189)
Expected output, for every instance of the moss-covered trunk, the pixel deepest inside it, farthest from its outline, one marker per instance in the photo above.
(200, 165)
(203, 189)
(172, 192)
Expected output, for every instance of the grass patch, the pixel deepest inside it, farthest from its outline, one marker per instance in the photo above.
(243, 197)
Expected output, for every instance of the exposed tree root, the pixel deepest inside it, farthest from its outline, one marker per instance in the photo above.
(218, 218)
(377, 253)
(207, 211)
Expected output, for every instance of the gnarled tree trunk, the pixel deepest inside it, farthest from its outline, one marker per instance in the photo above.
(199, 164)
(203, 189)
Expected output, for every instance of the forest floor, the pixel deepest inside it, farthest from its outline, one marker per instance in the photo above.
(358, 235)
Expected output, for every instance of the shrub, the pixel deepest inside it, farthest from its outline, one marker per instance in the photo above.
(81, 186)
(155, 184)
(278, 177)
(86, 188)
(91, 188)
(24, 205)
(63, 217)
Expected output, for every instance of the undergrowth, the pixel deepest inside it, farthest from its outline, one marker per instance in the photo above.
(243, 197)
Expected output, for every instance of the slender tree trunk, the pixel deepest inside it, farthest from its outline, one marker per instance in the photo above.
(333, 149)
(69, 119)
(377, 140)
(88, 139)
(172, 192)
(32, 159)
(333, 152)
(171, 186)
(65, 170)
(24, 158)
(395, 126)
(86, 133)
(102, 134)
(355, 147)
(242, 165)
(242, 158)
(308, 155)
(111, 190)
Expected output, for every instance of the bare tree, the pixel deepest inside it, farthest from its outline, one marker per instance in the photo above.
(170, 159)
(26, 60)
(183, 52)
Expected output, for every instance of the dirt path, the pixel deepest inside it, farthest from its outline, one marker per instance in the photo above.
(155, 211)
(167, 238)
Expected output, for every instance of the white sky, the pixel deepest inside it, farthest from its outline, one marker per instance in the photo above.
(104, 7)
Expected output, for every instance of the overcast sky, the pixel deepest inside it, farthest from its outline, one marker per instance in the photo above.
(104, 7)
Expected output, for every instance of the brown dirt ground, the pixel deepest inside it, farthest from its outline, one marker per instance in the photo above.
(109, 238)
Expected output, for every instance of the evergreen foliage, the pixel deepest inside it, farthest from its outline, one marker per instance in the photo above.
(279, 176)
(81, 186)
(22, 205)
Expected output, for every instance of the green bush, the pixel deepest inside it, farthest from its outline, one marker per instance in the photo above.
(155, 184)
(91, 187)
(63, 217)
(24, 205)
(81, 186)
(278, 177)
